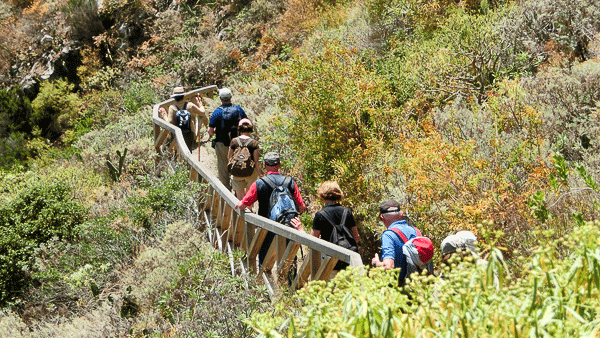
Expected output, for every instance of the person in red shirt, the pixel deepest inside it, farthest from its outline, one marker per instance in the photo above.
(261, 191)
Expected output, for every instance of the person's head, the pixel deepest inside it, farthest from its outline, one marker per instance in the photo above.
(330, 191)
(462, 244)
(245, 126)
(178, 93)
(389, 212)
(225, 95)
(271, 161)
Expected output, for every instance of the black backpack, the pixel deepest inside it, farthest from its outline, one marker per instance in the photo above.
(182, 119)
(340, 234)
(229, 123)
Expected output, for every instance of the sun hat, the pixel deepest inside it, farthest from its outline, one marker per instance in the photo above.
(225, 94)
(271, 159)
(389, 206)
(418, 251)
(178, 91)
(245, 121)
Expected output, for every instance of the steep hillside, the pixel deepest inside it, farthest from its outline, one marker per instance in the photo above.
(477, 115)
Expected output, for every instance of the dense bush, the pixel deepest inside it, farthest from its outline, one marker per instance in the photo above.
(55, 108)
(35, 216)
(556, 296)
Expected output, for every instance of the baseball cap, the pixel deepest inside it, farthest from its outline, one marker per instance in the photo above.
(225, 94)
(271, 159)
(389, 206)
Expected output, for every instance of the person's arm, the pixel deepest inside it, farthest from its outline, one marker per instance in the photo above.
(230, 153)
(202, 111)
(257, 162)
(387, 263)
(298, 199)
(387, 252)
(249, 199)
(315, 233)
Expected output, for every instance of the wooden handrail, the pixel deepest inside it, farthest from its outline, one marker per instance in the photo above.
(231, 229)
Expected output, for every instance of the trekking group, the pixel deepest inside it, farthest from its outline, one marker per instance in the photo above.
(239, 168)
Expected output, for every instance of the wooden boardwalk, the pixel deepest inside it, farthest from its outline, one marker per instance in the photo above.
(229, 229)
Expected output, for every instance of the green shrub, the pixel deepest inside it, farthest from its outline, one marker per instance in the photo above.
(15, 112)
(557, 295)
(35, 216)
(55, 108)
(139, 94)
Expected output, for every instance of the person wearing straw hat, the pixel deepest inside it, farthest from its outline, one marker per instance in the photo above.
(178, 109)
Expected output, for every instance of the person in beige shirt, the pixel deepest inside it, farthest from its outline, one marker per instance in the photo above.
(197, 112)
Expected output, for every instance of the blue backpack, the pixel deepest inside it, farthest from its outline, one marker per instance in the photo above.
(282, 207)
(182, 119)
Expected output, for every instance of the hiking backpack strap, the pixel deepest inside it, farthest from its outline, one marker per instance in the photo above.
(401, 234)
(239, 142)
(343, 221)
(248, 142)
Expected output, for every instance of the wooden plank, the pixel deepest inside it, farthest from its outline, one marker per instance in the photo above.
(214, 208)
(283, 265)
(248, 236)
(316, 263)
(326, 268)
(233, 227)
(254, 248)
(269, 261)
(302, 276)
(226, 216)
(281, 246)
(268, 284)
(238, 238)
(231, 260)
(161, 139)
(193, 175)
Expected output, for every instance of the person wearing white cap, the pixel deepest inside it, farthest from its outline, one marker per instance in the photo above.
(245, 166)
(182, 113)
(223, 125)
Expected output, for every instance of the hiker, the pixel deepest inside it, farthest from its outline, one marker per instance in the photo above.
(261, 191)
(181, 114)
(402, 245)
(223, 124)
(243, 164)
(464, 245)
(460, 252)
(335, 223)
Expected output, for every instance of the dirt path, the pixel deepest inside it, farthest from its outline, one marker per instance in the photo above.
(207, 157)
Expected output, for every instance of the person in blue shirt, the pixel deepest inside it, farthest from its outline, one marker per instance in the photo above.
(223, 125)
(392, 255)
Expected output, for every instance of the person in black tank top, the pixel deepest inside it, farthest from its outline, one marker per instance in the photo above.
(333, 212)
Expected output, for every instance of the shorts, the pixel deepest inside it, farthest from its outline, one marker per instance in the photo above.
(240, 183)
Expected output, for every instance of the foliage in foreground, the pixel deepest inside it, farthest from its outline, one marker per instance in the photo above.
(555, 297)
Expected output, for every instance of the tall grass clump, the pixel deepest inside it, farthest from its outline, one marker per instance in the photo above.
(557, 295)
